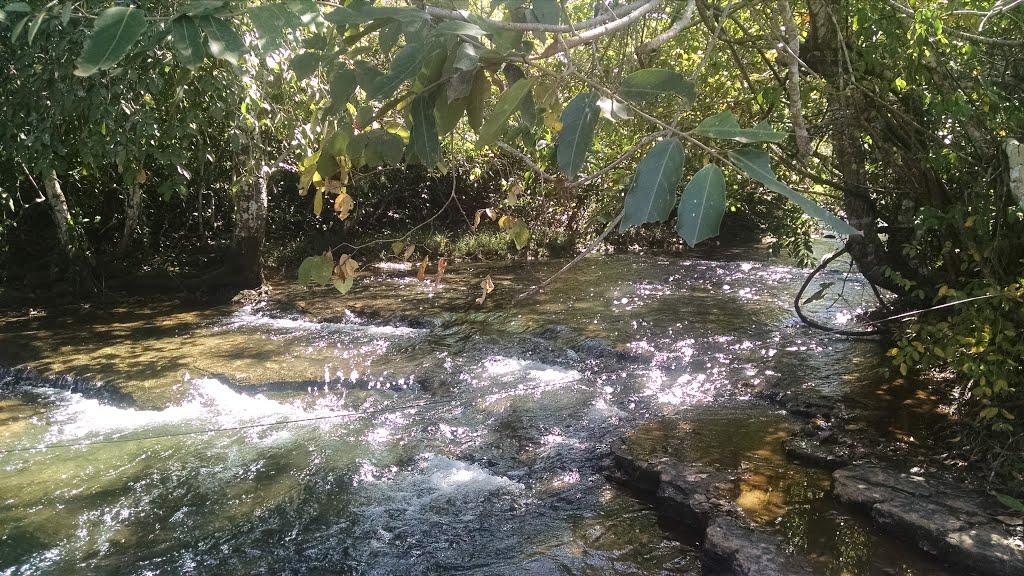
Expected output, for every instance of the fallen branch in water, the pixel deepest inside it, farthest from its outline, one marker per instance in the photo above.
(817, 325)
(590, 248)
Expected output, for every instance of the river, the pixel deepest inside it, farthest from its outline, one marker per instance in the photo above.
(405, 429)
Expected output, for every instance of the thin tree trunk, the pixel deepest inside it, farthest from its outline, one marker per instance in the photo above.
(59, 210)
(131, 219)
(790, 56)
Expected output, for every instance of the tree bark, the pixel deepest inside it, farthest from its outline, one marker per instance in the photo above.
(131, 219)
(245, 260)
(59, 210)
(829, 55)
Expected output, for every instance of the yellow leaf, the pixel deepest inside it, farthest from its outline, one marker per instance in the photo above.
(903, 368)
(513, 193)
(343, 205)
(318, 201)
(491, 214)
(488, 287)
(441, 265)
(476, 219)
(421, 274)
(553, 120)
(397, 248)
(306, 179)
(140, 176)
(408, 251)
(346, 268)
(504, 223)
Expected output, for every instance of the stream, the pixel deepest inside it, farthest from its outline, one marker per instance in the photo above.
(404, 429)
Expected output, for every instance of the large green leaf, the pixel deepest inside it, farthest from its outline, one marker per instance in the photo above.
(650, 83)
(756, 164)
(34, 28)
(457, 27)
(448, 113)
(407, 63)
(343, 84)
(579, 120)
(547, 11)
(702, 206)
(652, 195)
(724, 125)
(507, 104)
(477, 99)
(527, 108)
(270, 22)
(221, 38)
(423, 135)
(112, 36)
(187, 41)
(305, 65)
(316, 269)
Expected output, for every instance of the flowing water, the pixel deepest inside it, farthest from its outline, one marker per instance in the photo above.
(404, 429)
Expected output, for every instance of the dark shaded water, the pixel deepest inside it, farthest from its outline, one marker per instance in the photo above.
(349, 442)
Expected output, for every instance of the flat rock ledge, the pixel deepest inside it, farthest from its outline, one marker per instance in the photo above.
(701, 499)
(959, 526)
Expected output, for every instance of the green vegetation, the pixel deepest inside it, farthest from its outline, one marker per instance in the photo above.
(137, 138)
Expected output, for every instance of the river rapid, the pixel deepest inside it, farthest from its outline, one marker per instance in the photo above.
(404, 429)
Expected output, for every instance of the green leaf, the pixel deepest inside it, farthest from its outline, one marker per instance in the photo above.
(423, 134)
(305, 65)
(35, 25)
(579, 120)
(702, 206)
(65, 12)
(547, 11)
(408, 61)
(187, 41)
(477, 99)
(724, 126)
(343, 84)
(652, 195)
(457, 27)
(113, 33)
(643, 85)
(316, 269)
(527, 108)
(221, 38)
(18, 7)
(755, 163)
(343, 286)
(202, 7)
(388, 37)
(1010, 502)
(401, 13)
(366, 74)
(18, 28)
(342, 16)
(448, 113)
(519, 232)
(507, 104)
(270, 21)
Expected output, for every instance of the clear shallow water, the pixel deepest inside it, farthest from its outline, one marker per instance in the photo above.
(349, 442)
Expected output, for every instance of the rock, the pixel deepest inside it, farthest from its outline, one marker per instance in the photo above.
(804, 402)
(957, 525)
(701, 498)
(809, 451)
(731, 549)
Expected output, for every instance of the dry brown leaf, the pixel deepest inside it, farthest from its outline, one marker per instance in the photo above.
(488, 286)
(421, 274)
(343, 205)
(441, 265)
(408, 251)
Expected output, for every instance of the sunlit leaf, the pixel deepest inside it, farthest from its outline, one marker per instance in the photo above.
(187, 41)
(614, 110)
(222, 39)
(270, 21)
(318, 201)
(503, 110)
(487, 286)
(652, 195)
(114, 32)
(643, 85)
(756, 164)
(316, 270)
(421, 273)
(724, 125)
(442, 264)
(406, 64)
(457, 27)
(343, 205)
(408, 251)
(547, 11)
(579, 120)
(702, 205)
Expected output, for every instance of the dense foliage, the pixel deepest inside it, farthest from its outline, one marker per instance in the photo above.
(140, 129)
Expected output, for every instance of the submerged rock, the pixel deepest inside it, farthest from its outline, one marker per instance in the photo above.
(701, 498)
(958, 525)
(811, 451)
(732, 549)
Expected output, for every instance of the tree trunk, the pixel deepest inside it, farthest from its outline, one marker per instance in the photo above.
(131, 219)
(59, 210)
(245, 260)
(829, 54)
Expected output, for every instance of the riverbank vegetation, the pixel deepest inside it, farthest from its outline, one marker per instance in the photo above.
(190, 145)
